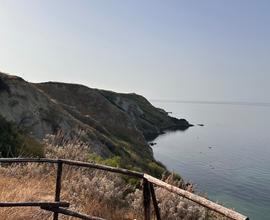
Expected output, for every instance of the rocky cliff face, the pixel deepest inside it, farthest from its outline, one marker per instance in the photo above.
(91, 107)
(38, 114)
(112, 123)
(151, 121)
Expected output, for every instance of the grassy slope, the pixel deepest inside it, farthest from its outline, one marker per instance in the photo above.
(127, 144)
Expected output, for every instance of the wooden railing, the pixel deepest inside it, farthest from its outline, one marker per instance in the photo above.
(59, 206)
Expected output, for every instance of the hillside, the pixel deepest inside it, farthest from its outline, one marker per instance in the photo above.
(113, 125)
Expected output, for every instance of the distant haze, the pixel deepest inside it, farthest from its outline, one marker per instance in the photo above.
(210, 50)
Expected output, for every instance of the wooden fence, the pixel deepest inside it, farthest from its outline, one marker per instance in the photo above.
(59, 206)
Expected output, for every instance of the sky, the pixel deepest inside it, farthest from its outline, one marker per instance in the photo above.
(204, 50)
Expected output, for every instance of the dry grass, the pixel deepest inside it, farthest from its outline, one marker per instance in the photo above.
(89, 191)
(24, 189)
(94, 193)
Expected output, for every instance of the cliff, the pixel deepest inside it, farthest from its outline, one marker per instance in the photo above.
(113, 124)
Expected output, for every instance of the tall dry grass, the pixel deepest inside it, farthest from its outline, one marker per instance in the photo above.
(89, 191)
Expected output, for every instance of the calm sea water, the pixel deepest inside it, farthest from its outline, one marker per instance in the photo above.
(228, 159)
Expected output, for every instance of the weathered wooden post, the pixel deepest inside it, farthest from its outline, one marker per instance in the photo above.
(154, 199)
(146, 199)
(58, 186)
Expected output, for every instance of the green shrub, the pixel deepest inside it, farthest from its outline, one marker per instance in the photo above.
(14, 142)
(113, 161)
(155, 169)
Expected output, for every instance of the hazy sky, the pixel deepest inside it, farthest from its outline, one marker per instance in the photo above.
(181, 49)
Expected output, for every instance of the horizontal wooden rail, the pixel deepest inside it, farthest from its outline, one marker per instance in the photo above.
(34, 204)
(73, 214)
(28, 160)
(103, 167)
(195, 198)
(73, 163)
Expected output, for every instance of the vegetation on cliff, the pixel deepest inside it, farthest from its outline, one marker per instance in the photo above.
(14, 142)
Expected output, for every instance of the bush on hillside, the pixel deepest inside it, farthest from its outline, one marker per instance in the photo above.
(14, 143)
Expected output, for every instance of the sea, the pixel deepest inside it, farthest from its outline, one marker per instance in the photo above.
(226, 154)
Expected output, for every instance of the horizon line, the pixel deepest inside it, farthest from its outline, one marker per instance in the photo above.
(266, 104)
